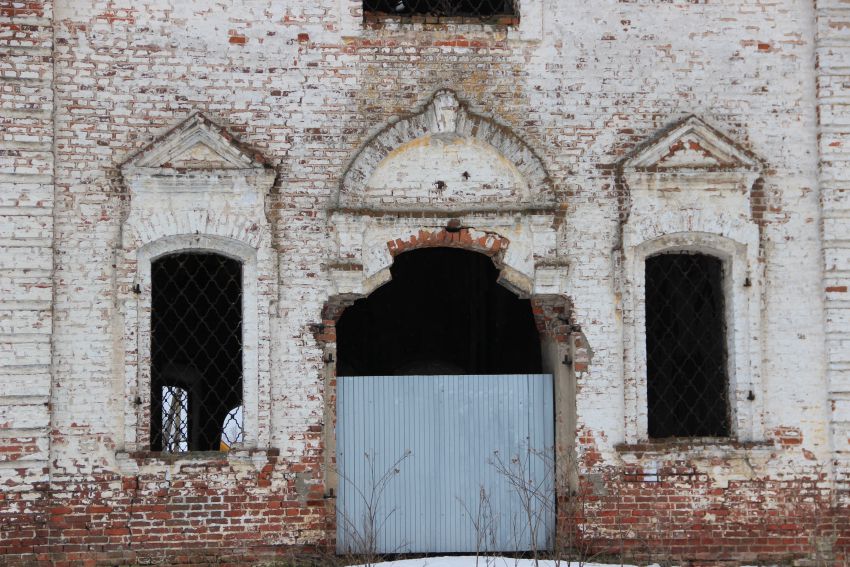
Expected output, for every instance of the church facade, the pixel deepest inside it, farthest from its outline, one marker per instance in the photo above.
(211, 210)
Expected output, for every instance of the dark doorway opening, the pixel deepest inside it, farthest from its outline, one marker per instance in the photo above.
(443, 312)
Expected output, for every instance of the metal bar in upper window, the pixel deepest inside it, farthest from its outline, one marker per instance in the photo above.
(442, 8)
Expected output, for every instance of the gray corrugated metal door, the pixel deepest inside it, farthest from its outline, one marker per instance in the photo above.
(450, 433)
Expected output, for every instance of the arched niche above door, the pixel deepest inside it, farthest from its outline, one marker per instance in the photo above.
(445, 158)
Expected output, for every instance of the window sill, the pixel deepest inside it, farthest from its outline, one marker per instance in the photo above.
(135, 462)
(674, 445)
(722, 460)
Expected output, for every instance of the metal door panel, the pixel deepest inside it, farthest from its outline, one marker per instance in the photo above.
(453, 431)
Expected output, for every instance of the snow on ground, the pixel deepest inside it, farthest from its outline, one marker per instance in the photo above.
(487, 562)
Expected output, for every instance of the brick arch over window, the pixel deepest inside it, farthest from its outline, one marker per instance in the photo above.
(446, 120)
(217, 224)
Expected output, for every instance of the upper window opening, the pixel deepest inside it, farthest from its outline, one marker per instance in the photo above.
(686, 347)
(443, 312)
(442, 8)
(196, 352)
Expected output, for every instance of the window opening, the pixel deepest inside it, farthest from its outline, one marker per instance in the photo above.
(442, 8)
(443, 312)
(232, 432)
(686, 346)
(175, 425)
(196, 352)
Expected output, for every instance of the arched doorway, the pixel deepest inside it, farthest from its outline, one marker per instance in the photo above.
(440, 400)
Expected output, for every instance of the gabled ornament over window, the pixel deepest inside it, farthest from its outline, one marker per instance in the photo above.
(189, 179)
(199, 144)
(691, 145)
(196, 155)
(691, 157)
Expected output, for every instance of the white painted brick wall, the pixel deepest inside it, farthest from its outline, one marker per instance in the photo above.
(833, 57)
(295, 82)
(26, 244)
(604, 77)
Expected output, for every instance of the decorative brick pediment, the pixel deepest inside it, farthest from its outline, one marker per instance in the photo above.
(691, 145)
(684, 164)
(197, 144)
(447, 158)
(183, 181)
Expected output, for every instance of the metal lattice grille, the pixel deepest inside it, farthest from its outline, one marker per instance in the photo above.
(686, 346)
(196, 353)
(442, 8)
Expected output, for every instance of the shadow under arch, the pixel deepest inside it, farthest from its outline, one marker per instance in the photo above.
(443, 312)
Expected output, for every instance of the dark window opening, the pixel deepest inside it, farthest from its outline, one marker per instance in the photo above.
(196, 352)
(442, 8)
(686, 347)
(443, 312)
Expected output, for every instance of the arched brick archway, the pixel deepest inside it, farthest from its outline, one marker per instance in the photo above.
(557, 349)
(448, 177)
(563, 350)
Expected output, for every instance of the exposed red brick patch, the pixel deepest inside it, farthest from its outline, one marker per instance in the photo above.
(487, 243)
(15, 449)
(758, 201)
(117, 16)
(552, 316)
(836, 289)
(788, 436)
(12, 9)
